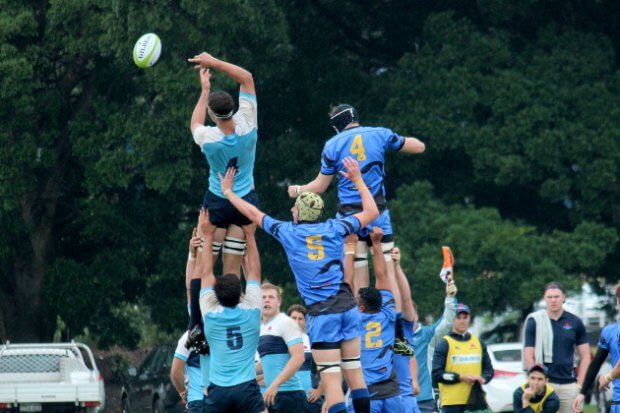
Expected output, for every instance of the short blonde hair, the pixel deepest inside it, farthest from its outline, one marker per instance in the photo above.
(269, 286)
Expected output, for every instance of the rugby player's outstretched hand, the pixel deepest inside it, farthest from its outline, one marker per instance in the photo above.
(202, 60)
(205, 79)
(204, 223)
(194, 243)
(226, 181)
(353, 172)
(395, 254)
(376, 235)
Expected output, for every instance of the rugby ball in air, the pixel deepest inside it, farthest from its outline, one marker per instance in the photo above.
(147, 50)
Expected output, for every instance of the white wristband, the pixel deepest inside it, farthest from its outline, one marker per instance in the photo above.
(190, 257)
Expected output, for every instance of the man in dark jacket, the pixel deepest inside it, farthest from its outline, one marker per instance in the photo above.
(536, 396)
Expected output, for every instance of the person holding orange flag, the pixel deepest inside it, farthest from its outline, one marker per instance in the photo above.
(426, 337)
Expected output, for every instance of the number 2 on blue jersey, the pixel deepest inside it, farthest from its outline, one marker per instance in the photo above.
(314, 243)
(373, 330)
(357, 148)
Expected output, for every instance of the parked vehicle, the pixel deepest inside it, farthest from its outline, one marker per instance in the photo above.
(49, 377)
(509, 375)
(148, 388)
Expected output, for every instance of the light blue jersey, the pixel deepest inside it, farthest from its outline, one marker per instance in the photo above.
(304, 374)
(424, 340)
(205, 366)
(192, 369)
(276, 337)
(237, 149)
(366, 144)
(232, 334)
(609, 341)
(315, 253)
(377, 332)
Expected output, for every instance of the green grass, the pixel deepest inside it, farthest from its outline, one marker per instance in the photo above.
(589, 408)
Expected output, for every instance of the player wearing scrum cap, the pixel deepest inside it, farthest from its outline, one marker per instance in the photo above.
(230, 143)
(368, 145)
(315, 252)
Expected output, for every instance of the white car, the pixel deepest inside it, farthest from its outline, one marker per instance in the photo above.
(509, 375)
(56, 376)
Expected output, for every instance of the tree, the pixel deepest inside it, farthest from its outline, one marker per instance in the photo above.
(98, 166)
(500, 264)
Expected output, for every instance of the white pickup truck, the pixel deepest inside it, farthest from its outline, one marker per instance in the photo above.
(47, 378)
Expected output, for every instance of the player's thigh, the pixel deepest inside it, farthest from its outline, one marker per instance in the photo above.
(219, 235)
(217, 400)
(248, 398)
(411, 404)
(394, 404)
(289, 401)
(235, 231)
(351, 344)
(196, 406)
(219, 209)
(324, 329)
(316, 406)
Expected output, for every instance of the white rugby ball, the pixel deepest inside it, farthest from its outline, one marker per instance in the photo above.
(147, 50)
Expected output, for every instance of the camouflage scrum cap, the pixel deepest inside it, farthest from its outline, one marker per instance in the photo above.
(310, 206)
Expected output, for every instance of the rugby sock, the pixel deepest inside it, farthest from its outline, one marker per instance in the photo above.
(400, 332)
(194, 300)
(338, 408)
(361, 400)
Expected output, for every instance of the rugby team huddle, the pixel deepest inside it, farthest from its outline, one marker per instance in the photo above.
(350, 346)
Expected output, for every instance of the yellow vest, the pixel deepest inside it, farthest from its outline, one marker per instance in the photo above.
(538, 407)
(464, 357)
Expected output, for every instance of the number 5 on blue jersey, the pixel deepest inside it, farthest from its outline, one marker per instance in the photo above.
(234, 339)
(314, 243)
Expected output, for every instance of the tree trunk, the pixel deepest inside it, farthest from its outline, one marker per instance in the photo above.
(28, 319)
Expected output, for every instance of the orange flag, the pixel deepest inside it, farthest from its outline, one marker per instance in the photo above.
(447, 272)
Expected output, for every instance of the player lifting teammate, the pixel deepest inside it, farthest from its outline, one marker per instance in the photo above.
(378, 307)
(232, 327)
(315, 253)
(368, 145)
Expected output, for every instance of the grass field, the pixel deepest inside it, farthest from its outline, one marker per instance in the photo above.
(589, 408)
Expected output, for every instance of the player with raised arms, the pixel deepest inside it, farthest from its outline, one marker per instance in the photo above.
(368, 145)
(378, 307)
(230, 143)
(315, 252)
(231, 326)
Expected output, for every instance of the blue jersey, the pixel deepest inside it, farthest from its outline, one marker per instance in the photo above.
(192, 369)
(315, 253)
(377, 331)
(276, 336)
(237, 149)
(366, 144)
(609, 341)
(401, 363)
(232, 334)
